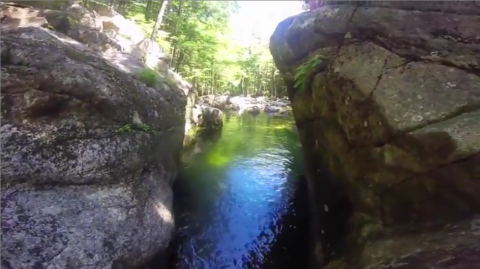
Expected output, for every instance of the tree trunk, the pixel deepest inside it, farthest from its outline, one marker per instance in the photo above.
(148, 10)
(259, 80)
(272, 80)
(158, 22)
(174, 54)
(121, 6)
(179, 62)
(212, 79)
(174, 32)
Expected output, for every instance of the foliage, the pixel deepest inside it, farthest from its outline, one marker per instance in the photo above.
(125, 129)
(148, 76)
(203, 49)
(303, 72)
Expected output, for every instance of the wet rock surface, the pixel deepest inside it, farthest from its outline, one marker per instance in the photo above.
(88, 150)
(391, 111)
(201, 120)
(207, 117)
(247, 104)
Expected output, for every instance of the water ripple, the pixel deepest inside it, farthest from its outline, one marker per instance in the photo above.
(235, 197)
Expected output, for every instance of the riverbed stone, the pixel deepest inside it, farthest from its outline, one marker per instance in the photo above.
(392, 111)
(207, 117)
(89, 152)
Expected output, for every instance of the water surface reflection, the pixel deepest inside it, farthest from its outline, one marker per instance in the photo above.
(238, 201)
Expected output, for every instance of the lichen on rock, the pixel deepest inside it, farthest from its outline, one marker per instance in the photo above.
(394, 118)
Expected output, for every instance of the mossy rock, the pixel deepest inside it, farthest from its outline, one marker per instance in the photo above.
(72, 21)
(170, 81)
(49, 27)
(149, 77)
(191, 137)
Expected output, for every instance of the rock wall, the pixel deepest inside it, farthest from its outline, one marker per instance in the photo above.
(88, 150)
(389, 120)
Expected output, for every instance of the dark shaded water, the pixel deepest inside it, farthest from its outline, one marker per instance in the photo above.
(239, 201)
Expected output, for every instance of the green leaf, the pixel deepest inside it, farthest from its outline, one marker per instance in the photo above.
(303, 72)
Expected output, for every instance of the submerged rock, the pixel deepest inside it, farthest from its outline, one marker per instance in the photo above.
(88, 153)
(200, 119)
(391, 108)
(251, 109)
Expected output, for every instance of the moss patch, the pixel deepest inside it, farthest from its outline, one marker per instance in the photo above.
(149, 77)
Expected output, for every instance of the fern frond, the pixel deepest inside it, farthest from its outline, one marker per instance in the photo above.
(303, 72)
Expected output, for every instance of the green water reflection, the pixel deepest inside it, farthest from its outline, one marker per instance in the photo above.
(237, 196)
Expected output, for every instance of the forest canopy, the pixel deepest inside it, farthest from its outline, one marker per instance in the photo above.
(203, 49)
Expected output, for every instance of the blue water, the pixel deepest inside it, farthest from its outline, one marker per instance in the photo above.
(239, 201)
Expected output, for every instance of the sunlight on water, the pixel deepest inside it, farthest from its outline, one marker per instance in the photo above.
(235, 197)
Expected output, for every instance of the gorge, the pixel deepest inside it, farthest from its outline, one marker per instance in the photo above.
(110, 159)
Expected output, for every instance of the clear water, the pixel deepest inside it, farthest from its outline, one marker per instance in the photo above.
(239, 202)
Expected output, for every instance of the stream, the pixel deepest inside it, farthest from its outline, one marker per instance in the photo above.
(239, 202)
